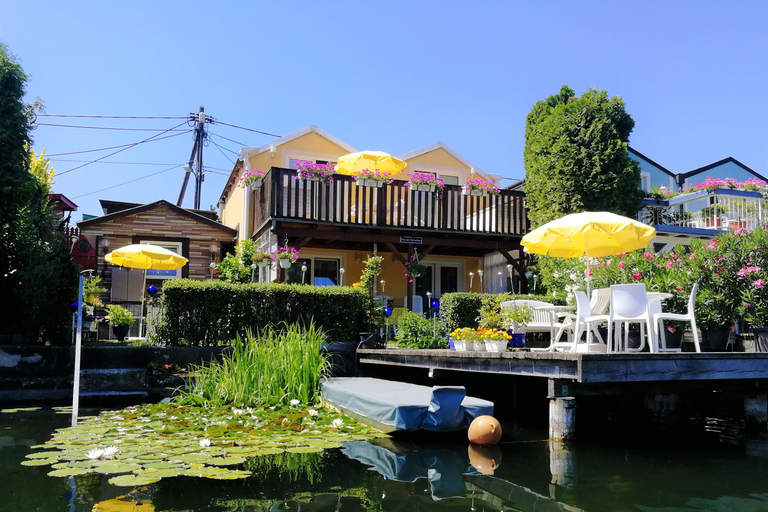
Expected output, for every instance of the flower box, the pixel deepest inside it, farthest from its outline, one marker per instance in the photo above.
(461, 346)
(424, 188)
(478, 346)
(496, 345)
(470, 192)
(362, 182)
(256, 184)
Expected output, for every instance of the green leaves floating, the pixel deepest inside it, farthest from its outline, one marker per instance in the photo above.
(155, 441)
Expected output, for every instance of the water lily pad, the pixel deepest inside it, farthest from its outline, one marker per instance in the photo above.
(39, 462)
(303, 449)
(69, 472)
(111, 467)
(226, 461)
(162, 465)
(133, 480)
(162, 473)
(20, 409)
(193, 457)
(269, 451)
(44, 455)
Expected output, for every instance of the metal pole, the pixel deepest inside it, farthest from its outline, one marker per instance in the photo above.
(200, 135)
(78, 346)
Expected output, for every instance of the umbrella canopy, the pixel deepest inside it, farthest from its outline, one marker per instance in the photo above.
(146, 256)
(591, 234)
(356, 162)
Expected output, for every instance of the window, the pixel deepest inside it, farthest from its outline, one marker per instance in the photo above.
(164, 274)
(320, 272)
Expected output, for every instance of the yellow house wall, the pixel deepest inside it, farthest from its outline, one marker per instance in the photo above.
(437, 160)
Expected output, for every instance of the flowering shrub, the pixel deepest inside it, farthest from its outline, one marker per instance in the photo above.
(310, 170)
(482, 185)
(376, 174)
(710, 184)
(250, 176)
(285, 253)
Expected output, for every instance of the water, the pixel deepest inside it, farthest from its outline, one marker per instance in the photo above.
(711, 469)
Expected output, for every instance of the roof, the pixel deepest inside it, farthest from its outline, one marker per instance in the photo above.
(63, 203)
(730, 159)
(640, 155)
(441, 145)
(133, 209)
(108, 206)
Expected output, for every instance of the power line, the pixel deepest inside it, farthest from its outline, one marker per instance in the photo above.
(103, 162)
(114, 147)
(247, 129)
(127, 182)
(108, 117)
(118, 151)
(106, 128)
(230, 140)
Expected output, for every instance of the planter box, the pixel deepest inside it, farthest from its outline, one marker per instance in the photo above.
(496, 346)
(479, 193)
(369, 183)
(257, 183)
(469, 346)
(424, 188)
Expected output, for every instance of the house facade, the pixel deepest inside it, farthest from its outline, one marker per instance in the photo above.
(466, 243)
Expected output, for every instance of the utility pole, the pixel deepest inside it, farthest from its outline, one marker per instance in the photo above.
(195, 164)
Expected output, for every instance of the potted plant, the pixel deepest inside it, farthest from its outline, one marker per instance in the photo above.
(285, 256)
(261, 258)
(479, 187)
(754, 303)
(517, 318)
(120, 319)
(413, 269)
(311, 171)
(252, 178)
(375, 178)
(465, 339)
(425, 182)
(495, 340)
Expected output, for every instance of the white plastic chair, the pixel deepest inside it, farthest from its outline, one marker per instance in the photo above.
(418, 306)
(578, 325)
(659, 317)
(542, 320)
(629, 304)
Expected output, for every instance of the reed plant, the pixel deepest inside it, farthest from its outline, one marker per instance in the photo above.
(275, 367)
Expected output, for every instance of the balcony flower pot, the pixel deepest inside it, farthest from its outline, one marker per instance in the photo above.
(478, 346)
(285, 262)
(424, 188)
(256, 184)
(715, 339)
(471, 192)
(362, 182)
(252, 178)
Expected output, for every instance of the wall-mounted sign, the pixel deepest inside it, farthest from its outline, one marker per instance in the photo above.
(410, 240)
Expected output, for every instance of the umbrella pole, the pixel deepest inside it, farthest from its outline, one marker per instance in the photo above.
(141, 316)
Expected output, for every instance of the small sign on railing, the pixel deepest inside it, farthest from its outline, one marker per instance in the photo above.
(410, 240)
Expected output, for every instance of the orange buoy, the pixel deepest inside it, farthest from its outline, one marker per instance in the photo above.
(485, 459)
(484, 430)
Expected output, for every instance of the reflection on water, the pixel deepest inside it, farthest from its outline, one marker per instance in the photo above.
(609, 470)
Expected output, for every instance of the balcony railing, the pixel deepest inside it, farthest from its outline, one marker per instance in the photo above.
(716, 210)
(345, 203)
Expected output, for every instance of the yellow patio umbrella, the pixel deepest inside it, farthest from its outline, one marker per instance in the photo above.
(590, 234)
(146, 257)
(356, 162)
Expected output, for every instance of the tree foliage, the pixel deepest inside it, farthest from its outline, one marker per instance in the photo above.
(576, 157)
(37, 274)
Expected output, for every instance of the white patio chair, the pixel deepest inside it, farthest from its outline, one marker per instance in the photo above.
(418, 304)
(629, 304)
(659, 317)
(543, 321)
(578, 325)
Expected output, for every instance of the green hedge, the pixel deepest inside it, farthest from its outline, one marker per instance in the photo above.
(462, 309)
(200, 313)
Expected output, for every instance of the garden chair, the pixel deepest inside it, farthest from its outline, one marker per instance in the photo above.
(628, 305)
(543, 320)
(578, 325)
(658, 318)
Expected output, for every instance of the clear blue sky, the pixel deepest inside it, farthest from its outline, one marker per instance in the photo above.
(391, 76)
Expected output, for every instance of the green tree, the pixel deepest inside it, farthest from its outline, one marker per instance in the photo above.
(576, 157)
(236, 268)
(40, 168)
(37, 275)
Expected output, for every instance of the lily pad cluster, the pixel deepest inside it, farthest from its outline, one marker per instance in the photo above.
(141, 445)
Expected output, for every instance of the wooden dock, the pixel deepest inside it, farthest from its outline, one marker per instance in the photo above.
(572, 375)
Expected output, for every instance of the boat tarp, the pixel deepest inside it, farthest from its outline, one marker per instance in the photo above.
(405, 406)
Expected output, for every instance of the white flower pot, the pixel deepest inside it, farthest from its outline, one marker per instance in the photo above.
(460, 346)
(468, 192)
(264, 263)
(257, 183)
(424, 188)
(495, 346)
(478, 346)
(285, 262)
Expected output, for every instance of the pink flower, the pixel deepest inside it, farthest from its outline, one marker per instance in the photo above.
(692, 256)
(637, 275)
(648, 256)
(759, 283)
(670, 264)
(678, 289)
(621, 264)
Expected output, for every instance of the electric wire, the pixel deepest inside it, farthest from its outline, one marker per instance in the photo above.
(128, 182)
(247, 129)
(103, 162)
(110, 117)
(118, 151)
(230, 140)
(114, 147)
(105, 128)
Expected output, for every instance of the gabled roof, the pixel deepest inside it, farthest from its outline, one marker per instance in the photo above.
(151, 206)
(441, 145)
(730, 159)
(640, 155)
(249, 151)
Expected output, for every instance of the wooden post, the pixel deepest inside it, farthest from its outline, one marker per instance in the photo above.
(562, 410)
(756, 409)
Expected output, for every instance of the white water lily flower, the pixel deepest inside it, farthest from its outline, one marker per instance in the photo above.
(95, 453)
(204, 443)
(295, 402)
(337, 423)
(110, 452)
(237, 412)
(313, 412)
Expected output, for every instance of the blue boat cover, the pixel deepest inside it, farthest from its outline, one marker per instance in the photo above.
(404, 406)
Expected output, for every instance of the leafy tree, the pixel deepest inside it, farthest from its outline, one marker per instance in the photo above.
(40, 168)
(236, 268)
(576, 157)
(37, 274)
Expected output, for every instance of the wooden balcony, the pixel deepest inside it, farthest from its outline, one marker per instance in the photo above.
(394, 208)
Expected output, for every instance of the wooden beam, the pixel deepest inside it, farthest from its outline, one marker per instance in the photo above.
(513, 262)
(394, 251)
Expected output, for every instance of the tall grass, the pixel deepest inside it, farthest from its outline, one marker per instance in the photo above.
(274, 367)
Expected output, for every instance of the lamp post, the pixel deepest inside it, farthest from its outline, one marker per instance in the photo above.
(509, 276)
(382, 283)
(480, 273)
(431, 311)
(341, 276)
(471, 277)
(303, 272)
(501, 281)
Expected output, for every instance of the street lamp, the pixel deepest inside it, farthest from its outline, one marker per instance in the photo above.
(471, 277)
(480, 273)
(382, 283)
(341, 273)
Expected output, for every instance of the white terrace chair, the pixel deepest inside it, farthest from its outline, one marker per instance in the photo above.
(542, 321)
(629, 304)
(577, 325)
(659, 317)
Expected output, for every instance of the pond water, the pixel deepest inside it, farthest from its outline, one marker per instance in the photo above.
(716, 471)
